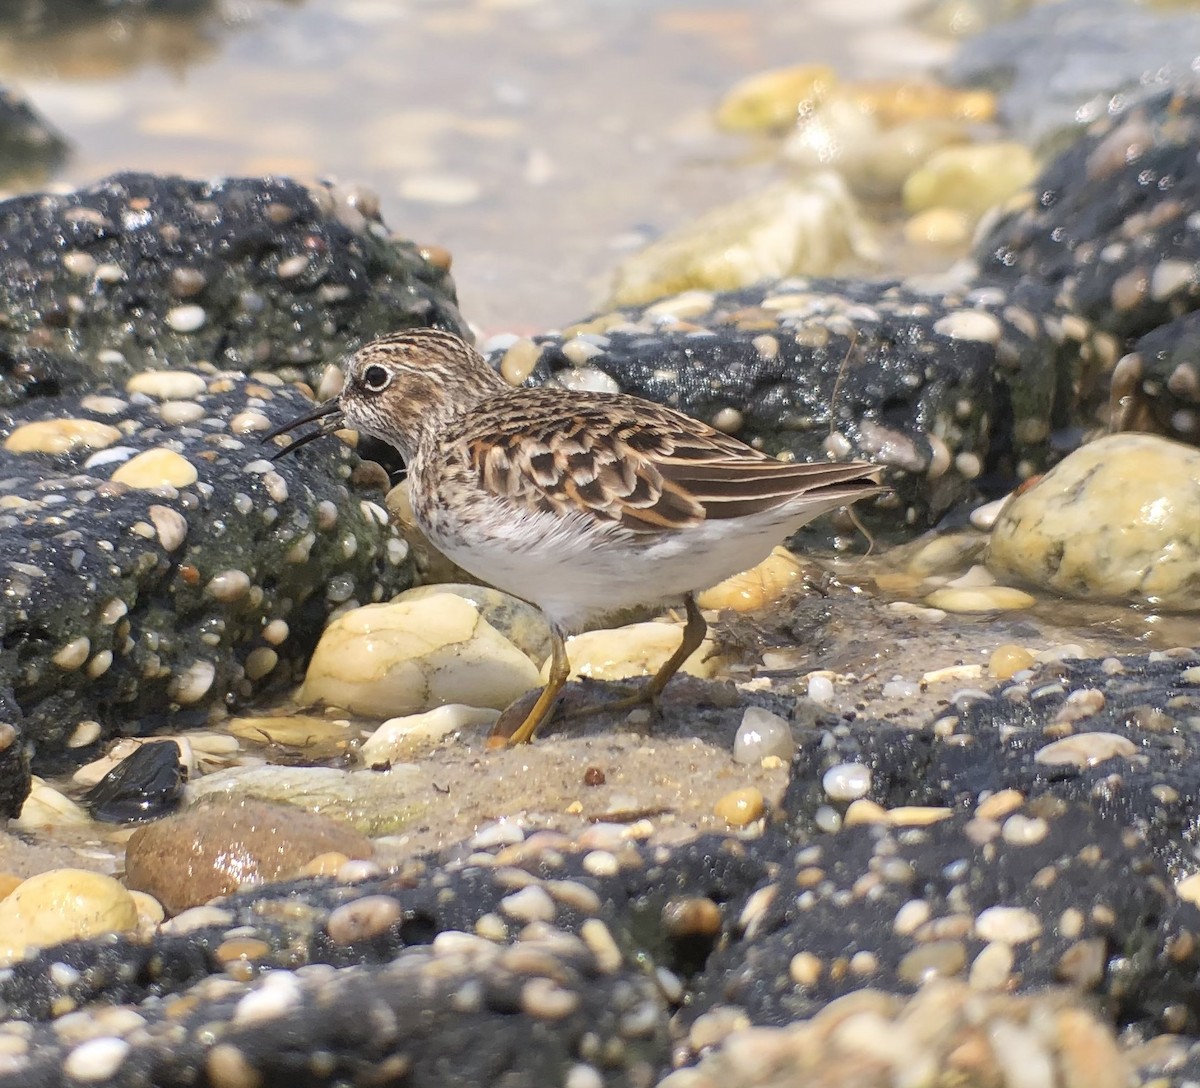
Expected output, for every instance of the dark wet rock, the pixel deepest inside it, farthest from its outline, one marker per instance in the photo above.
(30, 150)
(957, 392)
(14, 759)
(158, 566)
(1122, 736)
(217, 847)
(145, 785)
(888, 907)
(1112, 224)
(1060, 65)
(141, 272)
(1156, 386)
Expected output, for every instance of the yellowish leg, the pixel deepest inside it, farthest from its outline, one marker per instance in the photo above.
(693, 635)
(540, 711)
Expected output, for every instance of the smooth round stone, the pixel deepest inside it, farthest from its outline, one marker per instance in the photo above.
(937, 959)
(1115, 520)
(1086, 749)
(638, 649)
(61, 905)
(761, 734)
(1012, 925)
(519, 360)
(971, 178)
(774, 99)
(384, 660)
(179, 413)
(396, 737)
(215, 848)
(939, 227)
(97, 1060)
(156, 468)
(980, 599)
(874, 154)
(170, 526)
(992, 968)
(820, 689)
(167, 384)
(806, 226)
(58, 436)
(518, 621)
(740, 807)
(47, 807)
(846, 782)
(363, 919)
(186, 318)
(1008, 659)
(758, 586)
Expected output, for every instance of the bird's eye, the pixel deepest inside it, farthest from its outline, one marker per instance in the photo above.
(376, 378)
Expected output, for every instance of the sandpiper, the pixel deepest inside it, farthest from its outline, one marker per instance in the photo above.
(579, 503)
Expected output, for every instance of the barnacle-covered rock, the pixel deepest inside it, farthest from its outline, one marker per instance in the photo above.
(156, 566)
(142, 272)
(952, 390)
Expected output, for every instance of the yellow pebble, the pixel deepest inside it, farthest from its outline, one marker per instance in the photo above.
(1008, 659)
(774, 99)
(9, 882)
(156, 468)
(979, 599)
(865, 811)
(61, 436)
(59, 905)
(938, 227)
(740, 807)
(757, 586)
(326, 864)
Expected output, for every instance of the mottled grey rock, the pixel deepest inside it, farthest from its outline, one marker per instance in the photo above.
(139, 606)
(141, 272)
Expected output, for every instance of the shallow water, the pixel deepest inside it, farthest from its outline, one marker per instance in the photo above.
(538, 141)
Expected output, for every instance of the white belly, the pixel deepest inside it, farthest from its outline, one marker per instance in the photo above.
(575, 572)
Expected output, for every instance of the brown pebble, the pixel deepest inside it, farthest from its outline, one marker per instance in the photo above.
(1083, 964)
(216, 847)
(695, 916)
(546, 1000)
(594, 776)
(363, 918)
(228, 1067)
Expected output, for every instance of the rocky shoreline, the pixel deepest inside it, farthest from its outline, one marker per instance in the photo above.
(913, 822)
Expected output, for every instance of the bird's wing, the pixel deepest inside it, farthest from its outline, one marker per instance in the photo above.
(636, 464)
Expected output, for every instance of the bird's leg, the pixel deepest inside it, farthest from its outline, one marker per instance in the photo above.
(540, 711)
(693, 635)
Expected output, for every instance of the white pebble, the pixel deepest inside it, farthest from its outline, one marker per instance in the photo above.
(846, 781)
(97, 1059)
(820, 689)
(186, 318)
(762, 734)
